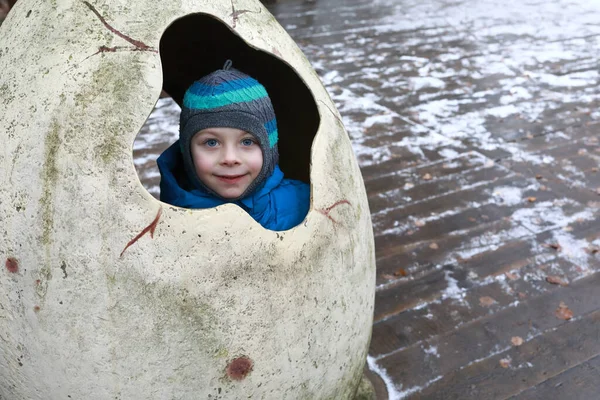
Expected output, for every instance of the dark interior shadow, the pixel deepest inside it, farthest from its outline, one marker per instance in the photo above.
(197, 44)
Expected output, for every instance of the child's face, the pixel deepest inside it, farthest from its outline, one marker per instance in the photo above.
(227, 160)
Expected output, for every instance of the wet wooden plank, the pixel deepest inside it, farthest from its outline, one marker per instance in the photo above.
(492, 258)
(414, 260)
(486, 245)
(577, 383)
(460, 364)
(417, 184)
(530, 364)
(474, 298)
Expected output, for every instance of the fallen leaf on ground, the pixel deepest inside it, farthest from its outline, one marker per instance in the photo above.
(511, 276)
(427, 177)
(531, 199)
(592, 250)
(434, 246)
(556, 280)
(486, 301)
(554, 246)
(505, 362)
(538, 177)
(400, 272)
(563, 312)
(517, 340)
(419, 223)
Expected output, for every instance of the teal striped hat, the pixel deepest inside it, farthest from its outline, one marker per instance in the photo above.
(228, 98)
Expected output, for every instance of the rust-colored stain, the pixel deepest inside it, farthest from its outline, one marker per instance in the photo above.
(36, 308)
(150, 228)
(12, 265)
(239, 368)
(327, 210)
(139, 45)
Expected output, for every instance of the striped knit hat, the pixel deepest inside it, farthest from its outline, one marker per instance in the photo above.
(228, 98)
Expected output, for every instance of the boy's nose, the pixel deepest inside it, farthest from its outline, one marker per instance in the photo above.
(230, 156)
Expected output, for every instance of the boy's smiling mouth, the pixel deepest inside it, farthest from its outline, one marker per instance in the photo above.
(230, 178)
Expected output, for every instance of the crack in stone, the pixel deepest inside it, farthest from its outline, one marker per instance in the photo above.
(106, 49)
(327, 210)
(235, 14)
(139, 45)
(150, 228)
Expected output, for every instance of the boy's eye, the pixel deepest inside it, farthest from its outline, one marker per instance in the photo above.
(247, 142)
(211, 142)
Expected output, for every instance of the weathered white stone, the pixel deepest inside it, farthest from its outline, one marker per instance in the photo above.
(84, 317)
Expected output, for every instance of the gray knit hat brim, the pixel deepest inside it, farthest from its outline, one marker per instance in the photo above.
(195, 122)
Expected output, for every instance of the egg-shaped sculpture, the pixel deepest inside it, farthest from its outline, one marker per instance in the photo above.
(108, 293)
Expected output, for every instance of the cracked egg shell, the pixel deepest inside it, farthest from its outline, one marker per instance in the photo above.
(118, 295)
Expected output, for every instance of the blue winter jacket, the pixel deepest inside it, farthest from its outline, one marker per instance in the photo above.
(279, 204)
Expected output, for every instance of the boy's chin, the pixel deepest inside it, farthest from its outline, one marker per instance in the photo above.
(231, 193)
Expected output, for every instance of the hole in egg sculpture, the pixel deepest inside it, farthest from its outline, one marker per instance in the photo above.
(198, 44)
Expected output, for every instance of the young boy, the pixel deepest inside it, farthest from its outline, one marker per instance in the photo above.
(227, 153)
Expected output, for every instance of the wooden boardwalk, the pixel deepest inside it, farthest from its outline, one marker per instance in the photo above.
(476, 124)
(476, 127)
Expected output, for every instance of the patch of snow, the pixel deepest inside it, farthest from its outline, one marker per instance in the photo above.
(520, 155)
(448, 153)
(572, 80)
(418, 83)
(393, 392)
(572, 249)
(453, 291)
(502, 111)
(431, 351)
(416, 389)
(507, 195)
(378, 119)
(516, 93)
(547, 215)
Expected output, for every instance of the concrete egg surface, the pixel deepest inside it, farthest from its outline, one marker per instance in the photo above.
(105, 292)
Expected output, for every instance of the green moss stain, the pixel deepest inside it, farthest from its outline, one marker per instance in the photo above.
(365, 390)
(222, 352)
(108, 150)
(110, 101)
(49, 176)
